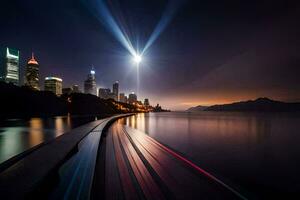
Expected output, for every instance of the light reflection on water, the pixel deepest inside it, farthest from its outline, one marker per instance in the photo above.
(35, 131)
(256, 152)
(17, 136)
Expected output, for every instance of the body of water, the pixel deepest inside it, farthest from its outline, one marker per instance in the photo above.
(256, 153)
(19, 135)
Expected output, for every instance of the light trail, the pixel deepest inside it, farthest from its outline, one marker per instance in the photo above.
(190, 163)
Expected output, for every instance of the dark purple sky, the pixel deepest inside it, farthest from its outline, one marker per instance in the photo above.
(211, 52)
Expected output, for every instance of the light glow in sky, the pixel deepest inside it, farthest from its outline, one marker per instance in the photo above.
(137, 59)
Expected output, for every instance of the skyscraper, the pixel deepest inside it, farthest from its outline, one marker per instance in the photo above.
(53, 84)
(32, 74)
(146, 102)
(123, 98)
(9, 66)
(90, 86)
(104, 93)
(116, 91)
(132, 98)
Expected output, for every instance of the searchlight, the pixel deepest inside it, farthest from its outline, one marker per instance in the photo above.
(137, 59)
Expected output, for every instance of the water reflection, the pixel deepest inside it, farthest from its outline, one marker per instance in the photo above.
(61, 125)
(35, 131)
(139, 121)
(11, 142)
(17, 136)
(252, 151)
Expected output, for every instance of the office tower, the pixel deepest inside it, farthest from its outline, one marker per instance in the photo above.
(132, 98)
(32, 74)
(146, 102)
(76, 89)
(104, 93)
(90, 84)
(116, 91)
(9, 66)
(123, 98)
(53, 84)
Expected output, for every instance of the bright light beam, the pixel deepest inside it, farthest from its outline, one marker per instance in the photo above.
(100, 10)
(171, 10)
(137, 59)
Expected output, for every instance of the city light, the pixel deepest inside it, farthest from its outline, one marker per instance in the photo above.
(137, 58)
(53, 78)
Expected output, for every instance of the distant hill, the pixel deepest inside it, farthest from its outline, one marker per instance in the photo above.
(260, 104)
(196, 109)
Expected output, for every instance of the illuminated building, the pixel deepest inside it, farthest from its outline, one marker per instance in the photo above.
(116, 91)
(105, 93)
(123, 98)
(53, 84)
(9, 66)
(132, 98)
(90, 84)
(32, 74)
(146, 102)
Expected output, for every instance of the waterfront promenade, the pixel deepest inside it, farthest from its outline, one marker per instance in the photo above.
(106, 159)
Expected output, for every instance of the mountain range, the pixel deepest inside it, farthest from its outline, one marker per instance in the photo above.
(260, 104)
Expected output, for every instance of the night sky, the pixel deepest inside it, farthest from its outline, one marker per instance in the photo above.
(211, 52)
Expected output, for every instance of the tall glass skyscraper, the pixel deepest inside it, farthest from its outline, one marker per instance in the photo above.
(32, 74)
(9, 66)
(116, 91)
(90, 86)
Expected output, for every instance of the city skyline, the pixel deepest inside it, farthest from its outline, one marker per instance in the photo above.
(10, 73)
(54, 84)
(245, 51)
(38, 82)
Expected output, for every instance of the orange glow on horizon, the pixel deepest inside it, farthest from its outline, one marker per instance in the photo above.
(211, 98)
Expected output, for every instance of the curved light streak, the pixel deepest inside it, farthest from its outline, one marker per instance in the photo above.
(196, 167)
